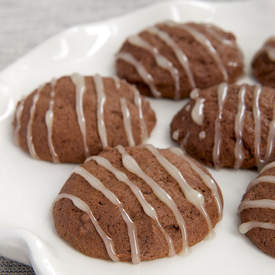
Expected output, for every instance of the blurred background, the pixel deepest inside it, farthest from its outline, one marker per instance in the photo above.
(26, 23)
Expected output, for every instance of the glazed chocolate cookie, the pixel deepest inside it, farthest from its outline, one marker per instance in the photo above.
(136, 204)
(170, 59)
(74, 117)
(263, 64)
(257, 210)
(228, 126)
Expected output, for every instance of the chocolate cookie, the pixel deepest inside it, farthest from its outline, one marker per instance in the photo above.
(170, 59)
(257, 210)
(136, 204)
(228, 126)
(263, 64)
(74, 117)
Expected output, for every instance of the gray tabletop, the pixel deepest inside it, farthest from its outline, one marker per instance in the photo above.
(26, 23)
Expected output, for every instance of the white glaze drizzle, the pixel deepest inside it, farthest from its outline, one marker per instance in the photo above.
(270, 50)
(49, 116)
(214, 32)
(80, 89)
(185, 140)
(182, 58)
(117, 82)
(161, 60)
(147, 207)
(141, 70)
(192, 195)
(232, 63)
(197, 111)
(257, 120)
(143, 127)
(176, 134)
(239, 120)
(132, 232)
(222, 93)
(247, 226)
(264, 203)
(270, 138)
(194, 93)
(204, 41)
(101, 98)
(127, 121)
(30, 122)
(208, 181)
(268, 166)
(130, 164)
(18, 116)
(202, 135)
(269, 179)
(80, 204)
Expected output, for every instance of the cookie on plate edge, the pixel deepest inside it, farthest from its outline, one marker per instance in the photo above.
(257, 210)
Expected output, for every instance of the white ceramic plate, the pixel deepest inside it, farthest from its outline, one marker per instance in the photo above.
(28, 187)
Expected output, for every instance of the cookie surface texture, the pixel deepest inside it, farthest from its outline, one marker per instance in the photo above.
(257, 210)
(137, 204)
(228, 126)
(171, 59)
(75, 117)
(263, 64)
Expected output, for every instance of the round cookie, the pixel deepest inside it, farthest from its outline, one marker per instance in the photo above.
(74, 117)
(263, 64)
(257, 210)
(136, 204)
(170, 59)
(228, 126)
